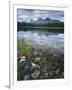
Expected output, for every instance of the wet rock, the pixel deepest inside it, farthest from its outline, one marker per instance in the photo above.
(43, 60)
(57, 71)
(35, 74)
(41, 77)
(35, 53)
(27, 67)
(51, 73)
(37, 59)
(22, 59)
(35, 65)
(27, 77)
(46, 75)
(44, 69)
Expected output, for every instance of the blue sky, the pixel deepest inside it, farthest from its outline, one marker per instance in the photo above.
(25, 15)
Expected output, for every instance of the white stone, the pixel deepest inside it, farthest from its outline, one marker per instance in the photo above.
(38, 58)
(23, 57)
(22, 60)
(35, 65)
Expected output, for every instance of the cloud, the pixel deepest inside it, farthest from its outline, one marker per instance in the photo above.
(23, 16)
(27, 14)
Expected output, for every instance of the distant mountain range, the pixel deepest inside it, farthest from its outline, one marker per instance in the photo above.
(44, 21)
(40, 23)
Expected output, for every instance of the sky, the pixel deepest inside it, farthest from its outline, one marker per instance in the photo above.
(25, 15)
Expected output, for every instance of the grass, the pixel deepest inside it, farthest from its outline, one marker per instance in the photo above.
(22, 48)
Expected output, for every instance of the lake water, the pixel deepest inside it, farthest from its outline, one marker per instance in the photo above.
(45, 60)
(43, 39)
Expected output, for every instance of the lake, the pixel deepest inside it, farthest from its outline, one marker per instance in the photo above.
(43, 39)
(40, 55)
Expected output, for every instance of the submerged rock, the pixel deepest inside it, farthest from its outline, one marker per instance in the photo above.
(37, 59)
(57, 71)
(46, 75)
(26, 67)
(35, 53)
(22, 59)
(35, 65)
(51, 73)
(27, 77)
(35, 74)
(43, 60)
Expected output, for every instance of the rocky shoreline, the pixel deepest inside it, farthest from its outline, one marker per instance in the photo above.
(41, 64)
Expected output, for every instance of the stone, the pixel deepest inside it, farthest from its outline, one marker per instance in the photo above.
(35, 65)
(22, 59)
(27, 77)
(27, 67)
(46, 75)
(57, 71)
(35, 74)
(43, 60)
(35, 53)
(51, 73)
(37, 59)
(41, 77)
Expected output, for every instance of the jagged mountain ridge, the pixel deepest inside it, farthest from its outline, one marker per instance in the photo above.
(44, 21)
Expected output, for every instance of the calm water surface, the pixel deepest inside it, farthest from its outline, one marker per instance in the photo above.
(43, 39)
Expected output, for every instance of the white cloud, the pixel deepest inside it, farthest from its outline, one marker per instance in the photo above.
(23, 16)
(27, 15)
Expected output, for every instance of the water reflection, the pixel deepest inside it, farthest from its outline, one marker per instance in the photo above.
(44, 39)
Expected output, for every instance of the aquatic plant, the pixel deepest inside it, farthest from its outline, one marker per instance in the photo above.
(23, 49)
